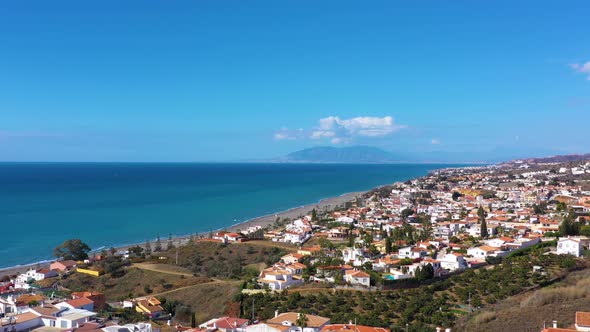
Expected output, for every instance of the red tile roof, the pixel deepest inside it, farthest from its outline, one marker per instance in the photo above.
(80, 302)
(583, 318)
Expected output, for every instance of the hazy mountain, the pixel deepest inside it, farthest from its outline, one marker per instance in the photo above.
(352, 154)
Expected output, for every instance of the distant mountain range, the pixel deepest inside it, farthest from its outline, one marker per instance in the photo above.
(352, 154)
(559, 159)
(369, 154)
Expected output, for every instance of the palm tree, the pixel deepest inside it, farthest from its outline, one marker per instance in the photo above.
(301, 320)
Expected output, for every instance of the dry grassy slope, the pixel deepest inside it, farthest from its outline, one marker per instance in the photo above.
(528, 311)
(207, 300)
(217, 260)
(133, 282)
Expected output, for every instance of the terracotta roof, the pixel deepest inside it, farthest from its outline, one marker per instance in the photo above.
(583, 318)
(352, 328)
(488, 248)
(80, 302)
(552, 329)
(27, 316)
(90, 326)
(312, 320)
(69, 263)
(280, 327)
(357, 274)
(46, 311)
(229, 323)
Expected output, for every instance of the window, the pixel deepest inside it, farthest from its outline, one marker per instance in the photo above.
(64, 324)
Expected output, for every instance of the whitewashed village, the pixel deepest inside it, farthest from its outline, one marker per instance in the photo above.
(408, 233)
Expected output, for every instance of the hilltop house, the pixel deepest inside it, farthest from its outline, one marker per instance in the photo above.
(486, 251)
(453, 261)
(412, 252)
(352, 328)
(61, 318)
(62, 265)
(572, 245)
(288, 322)
(356, 277)
(149, 307)
(277, 278)
(226, 324)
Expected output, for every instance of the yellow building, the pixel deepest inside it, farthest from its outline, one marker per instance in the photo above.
(93, 273)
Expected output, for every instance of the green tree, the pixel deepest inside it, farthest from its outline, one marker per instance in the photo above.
(301, 320)
(483, 225)
(158, 245)
(148, 248)
(193, 320)
(136, 251)
(484, 228)
(314, 215)
(170, 244)
(73, 249)
(388, 245)
(406, 213)
(569, 226)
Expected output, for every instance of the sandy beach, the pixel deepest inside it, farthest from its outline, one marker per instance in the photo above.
(327, 203)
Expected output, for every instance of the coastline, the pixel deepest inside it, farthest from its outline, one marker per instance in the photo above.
(264, 221)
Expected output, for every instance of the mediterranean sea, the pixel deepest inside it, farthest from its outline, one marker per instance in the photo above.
(115, 204)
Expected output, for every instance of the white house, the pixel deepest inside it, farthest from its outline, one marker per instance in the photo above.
(355, 256)
(139, 327)
(287, 322)
(345, 220)
(277, 279)
(453, 261)
(48, 317)
(8, 306)
(291, 258)
(485, 251)
(83, 303)
(572, 245)
(226, 324)
(295, 237)
(356, 277)
(412, 252)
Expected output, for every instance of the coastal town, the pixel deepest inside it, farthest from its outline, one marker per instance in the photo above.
(403, 237)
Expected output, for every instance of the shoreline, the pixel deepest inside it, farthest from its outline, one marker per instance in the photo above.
(264, 221)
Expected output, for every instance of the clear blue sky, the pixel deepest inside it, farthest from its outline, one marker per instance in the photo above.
(233, 80)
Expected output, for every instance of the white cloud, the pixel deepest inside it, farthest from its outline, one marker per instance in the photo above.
(340, 131)
(360, 126)
(285, 134)
(316, 134)
(434, 141)
(583, 68)
(336, 140)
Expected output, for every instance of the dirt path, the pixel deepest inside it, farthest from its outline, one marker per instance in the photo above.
(270, 244)
(212, 282)
(163, 268)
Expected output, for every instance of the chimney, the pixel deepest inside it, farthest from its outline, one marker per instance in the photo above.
(448, 329)
(554, 324)
(438, 329)
(276, 313)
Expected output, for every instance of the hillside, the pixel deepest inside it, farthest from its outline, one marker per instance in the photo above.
(528, 311)
(353, 154)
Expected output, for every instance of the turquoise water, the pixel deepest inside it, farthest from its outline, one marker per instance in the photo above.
(389, 277)
(110, 204)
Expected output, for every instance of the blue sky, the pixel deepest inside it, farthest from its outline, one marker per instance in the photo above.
(239, 80)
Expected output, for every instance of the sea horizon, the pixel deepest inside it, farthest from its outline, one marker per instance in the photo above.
(113, 204)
